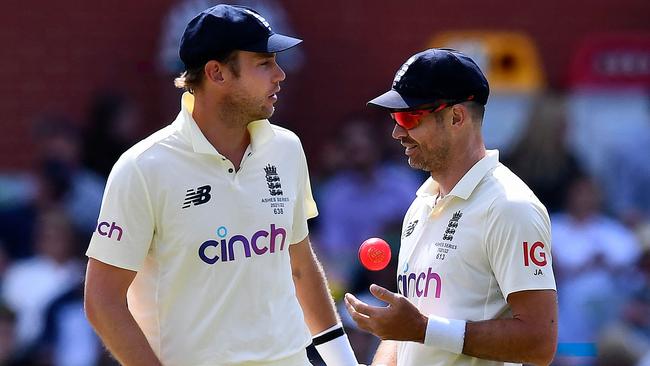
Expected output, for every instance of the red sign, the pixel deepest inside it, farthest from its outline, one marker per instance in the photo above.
(538, 257)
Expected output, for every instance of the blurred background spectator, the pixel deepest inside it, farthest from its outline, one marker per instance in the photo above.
(593, 258)
(29, 285)
(67, 338)
(66, 181)
(52, 265)
(113, 125)
(569, 111)
(57, 180)
(541, 157)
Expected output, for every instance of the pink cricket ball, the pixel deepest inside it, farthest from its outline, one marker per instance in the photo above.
(374, 254)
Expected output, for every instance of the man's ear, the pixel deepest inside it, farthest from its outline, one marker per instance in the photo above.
(213, 71)
(458, 114)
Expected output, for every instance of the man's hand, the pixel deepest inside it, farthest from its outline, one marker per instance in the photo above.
(399, 321)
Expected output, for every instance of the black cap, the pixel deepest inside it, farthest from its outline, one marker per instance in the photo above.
(432, 75)
(224, 28)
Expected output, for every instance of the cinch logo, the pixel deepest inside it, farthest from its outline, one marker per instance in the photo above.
(417, 285)
(537, 257)
(106, 229)
(223, 249)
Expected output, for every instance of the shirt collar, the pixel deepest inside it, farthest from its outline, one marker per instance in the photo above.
(261, 131)
(464, 188)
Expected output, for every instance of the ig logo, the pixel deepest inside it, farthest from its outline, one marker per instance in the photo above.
(535, 254)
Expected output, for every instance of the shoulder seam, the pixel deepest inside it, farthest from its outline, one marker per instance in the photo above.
(146, 189)
(154, 141)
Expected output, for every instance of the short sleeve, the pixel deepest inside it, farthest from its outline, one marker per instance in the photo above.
(125, 226)
(518, 244)
(305, 207)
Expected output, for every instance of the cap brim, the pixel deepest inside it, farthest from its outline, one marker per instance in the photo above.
(394, 100)
(275, 43)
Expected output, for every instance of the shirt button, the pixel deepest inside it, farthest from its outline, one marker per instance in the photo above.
(230, 170)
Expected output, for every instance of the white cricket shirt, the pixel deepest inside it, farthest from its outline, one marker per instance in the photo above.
(210, 244)
(462, 257)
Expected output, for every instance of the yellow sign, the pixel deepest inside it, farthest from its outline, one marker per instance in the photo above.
(509, 60)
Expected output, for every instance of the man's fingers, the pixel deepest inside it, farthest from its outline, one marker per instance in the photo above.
(355, 314)
(383, 294)
(361, 307)
(360, 319)
(358, 305)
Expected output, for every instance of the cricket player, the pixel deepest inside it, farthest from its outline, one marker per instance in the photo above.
(475, 281)
(201, 253)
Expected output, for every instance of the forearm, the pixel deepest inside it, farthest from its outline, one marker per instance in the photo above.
(386, 354)
(314, 298)
(320, 314)
(529, 336)
(509, 340)
(121, 335)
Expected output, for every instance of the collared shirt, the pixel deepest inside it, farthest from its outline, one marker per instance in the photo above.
(461, 257)
(210, 244)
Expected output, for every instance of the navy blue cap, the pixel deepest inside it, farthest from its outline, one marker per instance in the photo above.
(432, 75)
(224, 28)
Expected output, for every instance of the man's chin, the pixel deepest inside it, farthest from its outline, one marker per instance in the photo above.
(267, 112)
(417, 165)
(413, 164)
(262, 115)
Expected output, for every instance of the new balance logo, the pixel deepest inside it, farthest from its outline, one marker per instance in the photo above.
(197, 196)
(409, 229)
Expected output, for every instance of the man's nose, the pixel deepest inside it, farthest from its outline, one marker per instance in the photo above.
(399, 132)
(280, 76)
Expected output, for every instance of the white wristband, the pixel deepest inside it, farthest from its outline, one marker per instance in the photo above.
(336, 351)
(447, 334)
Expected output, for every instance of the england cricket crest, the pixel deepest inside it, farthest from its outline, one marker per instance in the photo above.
(273, 180)
(452, 226)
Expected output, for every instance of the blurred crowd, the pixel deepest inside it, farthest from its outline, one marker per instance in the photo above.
(47, 219)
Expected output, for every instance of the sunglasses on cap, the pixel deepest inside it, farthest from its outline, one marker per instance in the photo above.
(410, 119)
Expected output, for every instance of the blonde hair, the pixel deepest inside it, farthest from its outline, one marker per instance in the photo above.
(191, 79)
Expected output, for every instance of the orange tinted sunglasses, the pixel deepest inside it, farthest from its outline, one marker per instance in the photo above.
(410, 119)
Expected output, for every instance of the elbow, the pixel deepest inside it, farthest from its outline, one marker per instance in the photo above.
(543, 357)
(91, 308)
(99, 308)
(542, 351)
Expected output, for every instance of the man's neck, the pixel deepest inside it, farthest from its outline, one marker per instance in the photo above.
(463, 161)
(229, 137)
